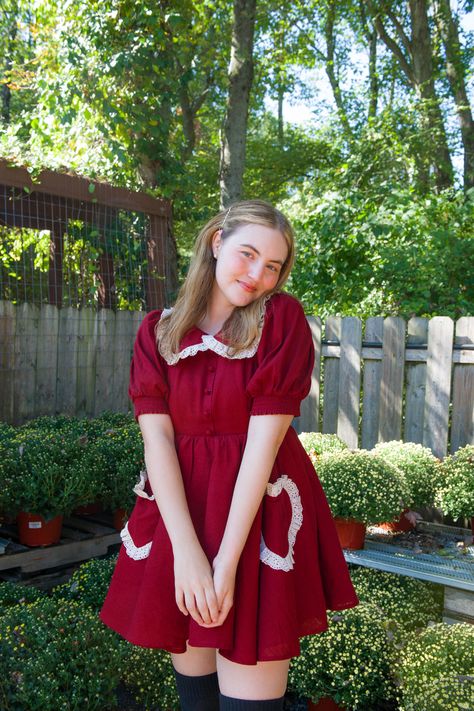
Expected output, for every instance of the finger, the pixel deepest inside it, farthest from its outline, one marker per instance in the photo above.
(179, 596)
(212, 604)
(201, 604)
(225, 609)
(191, 607)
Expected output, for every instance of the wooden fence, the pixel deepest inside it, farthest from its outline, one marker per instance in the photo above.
(392, 380)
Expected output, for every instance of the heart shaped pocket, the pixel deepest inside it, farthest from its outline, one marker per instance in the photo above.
(270, 558)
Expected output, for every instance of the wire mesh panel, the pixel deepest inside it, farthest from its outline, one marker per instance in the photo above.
(79, 264)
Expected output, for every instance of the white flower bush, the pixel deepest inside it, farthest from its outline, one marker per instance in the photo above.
(435, 669)
(317, 444)
(419, 465)
(350, 662)
(361, 485)
(455, 495)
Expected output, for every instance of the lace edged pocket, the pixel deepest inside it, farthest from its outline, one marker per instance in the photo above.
(267, 556)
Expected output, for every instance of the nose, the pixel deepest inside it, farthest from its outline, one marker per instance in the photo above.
(255, 271)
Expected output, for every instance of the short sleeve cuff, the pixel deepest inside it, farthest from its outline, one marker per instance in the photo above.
(150, 406)
(275, 406)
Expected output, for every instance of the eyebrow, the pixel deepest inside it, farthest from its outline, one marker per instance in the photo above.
(277, 261)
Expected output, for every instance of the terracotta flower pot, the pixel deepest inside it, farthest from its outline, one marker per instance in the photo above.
(120, 518)
(324, 704)
(34, 530)
(351, 533)
(402, 523)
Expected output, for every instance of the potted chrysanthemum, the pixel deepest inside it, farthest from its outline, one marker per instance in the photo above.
(318, 445)
(361, 489)
(348, 664)
(455, 495)
(435, 669)
(421, 470)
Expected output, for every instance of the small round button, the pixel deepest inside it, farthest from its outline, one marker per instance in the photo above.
(206, 413)
(212, 368)
(208, 391)
(209, 431)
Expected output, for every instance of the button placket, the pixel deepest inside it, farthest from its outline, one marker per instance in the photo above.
(207, 400)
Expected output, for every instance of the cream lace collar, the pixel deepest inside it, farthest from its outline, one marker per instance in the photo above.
(211, 343)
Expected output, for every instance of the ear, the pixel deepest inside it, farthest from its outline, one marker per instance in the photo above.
(216, 240)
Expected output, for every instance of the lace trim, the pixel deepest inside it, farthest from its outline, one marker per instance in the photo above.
(139, 489)
(133, 551)
(275, 561)
(210, 343)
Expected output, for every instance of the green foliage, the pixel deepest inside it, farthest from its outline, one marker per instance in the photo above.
(456, 492)
(14, 594)
(89, 583)
(419, 465)
(436, 669)
(362, 486)
(411, 603)
(317, 444)
(390, 253)
(57, 655)
(350, 662)
(149, 673)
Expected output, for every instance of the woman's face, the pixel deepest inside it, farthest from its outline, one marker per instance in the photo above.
(248, 263)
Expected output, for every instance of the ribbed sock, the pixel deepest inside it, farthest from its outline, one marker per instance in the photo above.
(229, 704)
(198, 693)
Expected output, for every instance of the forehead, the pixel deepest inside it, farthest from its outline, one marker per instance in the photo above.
(263, 238)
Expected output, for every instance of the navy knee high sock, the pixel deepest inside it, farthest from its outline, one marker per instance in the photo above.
(198, 693)
(229, 704)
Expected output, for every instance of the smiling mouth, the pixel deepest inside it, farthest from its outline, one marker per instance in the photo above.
(246, 287)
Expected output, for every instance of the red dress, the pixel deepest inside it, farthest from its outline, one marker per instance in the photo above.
(292, 568)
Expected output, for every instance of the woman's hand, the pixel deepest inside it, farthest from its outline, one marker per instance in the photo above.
(224, 583)
(194, 586)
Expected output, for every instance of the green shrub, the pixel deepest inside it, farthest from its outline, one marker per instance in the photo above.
(350, 662)
(149, 674)
(362, 486)
(455, 495)
(435, 669)
(409, 602)
(57, 655)
(419, 465)
(89, 583)
(16, 594)
(317, 444)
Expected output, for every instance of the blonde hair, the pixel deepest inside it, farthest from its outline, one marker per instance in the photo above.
(242, 327)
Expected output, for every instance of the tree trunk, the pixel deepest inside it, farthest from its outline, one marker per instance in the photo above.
(281, 131)
(373, 79)
(6, 91)
(234, 134)
(456, 72)
(423, 77)
(330, 69)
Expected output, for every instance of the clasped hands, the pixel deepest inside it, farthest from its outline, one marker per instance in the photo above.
(204, 592)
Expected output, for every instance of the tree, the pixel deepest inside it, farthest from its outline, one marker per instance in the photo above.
(234, 132)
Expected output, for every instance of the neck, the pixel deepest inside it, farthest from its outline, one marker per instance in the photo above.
(217, 313)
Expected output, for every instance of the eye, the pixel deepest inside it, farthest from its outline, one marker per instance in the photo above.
(247, 254)
(273, 268)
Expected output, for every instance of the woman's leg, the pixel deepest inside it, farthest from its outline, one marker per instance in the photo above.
(196, 679)
(264, 682)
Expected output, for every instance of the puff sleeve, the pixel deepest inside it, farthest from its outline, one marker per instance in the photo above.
(148, 388)
(285, 359)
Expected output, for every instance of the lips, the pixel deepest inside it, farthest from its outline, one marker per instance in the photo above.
(247, 287)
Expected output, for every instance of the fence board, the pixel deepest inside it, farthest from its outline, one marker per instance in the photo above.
(85, 386)
(391, 381)
(310, 405)
(331, 378)
(122, 355)
(349, 381)
(67, 360)
(462, 426)
(26, 334)
(371, 386)
(46, 360)
(438, 384)
(105, 336)
(415, 382)
(7, 359)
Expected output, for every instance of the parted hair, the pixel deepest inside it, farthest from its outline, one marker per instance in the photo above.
(242, 327)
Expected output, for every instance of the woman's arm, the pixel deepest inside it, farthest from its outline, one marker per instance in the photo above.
(194, 585)
(265, 434)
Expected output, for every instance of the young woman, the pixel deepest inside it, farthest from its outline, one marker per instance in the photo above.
(230, 554)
